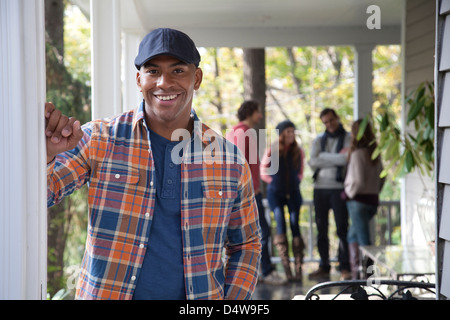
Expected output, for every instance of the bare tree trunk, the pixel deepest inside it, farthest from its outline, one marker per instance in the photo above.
(277, 102)
(336, 60)
(54, 23)
(293, 64)
(314, 114)
(255, 89)
(255, 79)
(298, 83)
(218, 102)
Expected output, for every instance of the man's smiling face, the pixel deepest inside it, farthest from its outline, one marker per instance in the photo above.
(168, 86)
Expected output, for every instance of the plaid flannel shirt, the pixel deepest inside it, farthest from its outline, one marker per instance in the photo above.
(219, 220)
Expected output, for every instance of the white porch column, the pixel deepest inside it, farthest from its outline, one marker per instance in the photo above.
(363, 81)
(131, 95)
(23, 208)
(106, 50)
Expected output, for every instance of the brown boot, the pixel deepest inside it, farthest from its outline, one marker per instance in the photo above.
(353, 250)
(297, 247)
(281, 244)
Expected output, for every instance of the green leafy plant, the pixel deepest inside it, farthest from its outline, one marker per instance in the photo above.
(408, 150)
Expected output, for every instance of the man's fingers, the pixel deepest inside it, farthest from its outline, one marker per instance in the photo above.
(62, 122)
(52, 122)
(67, 130)
(49, 108)
(77, 129)
(76, 136)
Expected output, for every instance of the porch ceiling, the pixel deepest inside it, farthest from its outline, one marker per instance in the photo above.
(260, 23)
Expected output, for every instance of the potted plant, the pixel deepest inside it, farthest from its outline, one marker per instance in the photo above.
(405, 151)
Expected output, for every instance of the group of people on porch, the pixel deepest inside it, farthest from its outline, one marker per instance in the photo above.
(346, 180)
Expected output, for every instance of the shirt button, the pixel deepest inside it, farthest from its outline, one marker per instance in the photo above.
(133, 278)
(141, 246)
(117, 176)
(220, 193)
(151, 183)
(147, 215)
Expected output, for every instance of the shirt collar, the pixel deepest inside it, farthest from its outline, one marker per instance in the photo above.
(139, 115)
(200, 130)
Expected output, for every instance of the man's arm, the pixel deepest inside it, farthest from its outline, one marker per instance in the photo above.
(330, 159)
(264, 167)
(243, 246)
(320, 159)
(314, 161)
(66, 171)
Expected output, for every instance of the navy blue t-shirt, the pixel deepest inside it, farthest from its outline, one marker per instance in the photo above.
(162, 273)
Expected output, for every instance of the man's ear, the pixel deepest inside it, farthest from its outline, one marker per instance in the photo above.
(198, 78)
(138, 80)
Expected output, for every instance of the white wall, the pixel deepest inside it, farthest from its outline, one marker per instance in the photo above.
(418, 44)
(23, 208)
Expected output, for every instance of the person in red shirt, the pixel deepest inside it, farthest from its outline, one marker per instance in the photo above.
(244, 136)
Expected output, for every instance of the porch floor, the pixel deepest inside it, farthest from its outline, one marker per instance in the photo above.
(289, 291)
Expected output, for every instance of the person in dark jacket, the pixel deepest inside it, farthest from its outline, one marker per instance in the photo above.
(284, 190)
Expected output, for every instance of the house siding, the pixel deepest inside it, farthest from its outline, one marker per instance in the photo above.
(442, 80)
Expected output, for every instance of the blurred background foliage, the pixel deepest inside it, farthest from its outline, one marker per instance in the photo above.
(301, 81)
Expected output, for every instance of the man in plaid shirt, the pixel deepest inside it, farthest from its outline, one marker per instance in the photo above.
(172, 212)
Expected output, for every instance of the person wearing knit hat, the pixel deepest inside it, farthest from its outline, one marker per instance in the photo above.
(284, 125)
(284, 191)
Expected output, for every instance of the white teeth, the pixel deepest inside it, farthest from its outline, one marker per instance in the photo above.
(166, 98)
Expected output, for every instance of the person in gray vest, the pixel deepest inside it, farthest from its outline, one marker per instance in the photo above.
(328, 160)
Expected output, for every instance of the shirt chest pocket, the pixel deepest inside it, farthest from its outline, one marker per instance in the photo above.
(116, 190)
(219, 190)
(218, 200)
(118, 174)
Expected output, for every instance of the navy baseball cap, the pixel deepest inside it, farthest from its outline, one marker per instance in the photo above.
(165, 41)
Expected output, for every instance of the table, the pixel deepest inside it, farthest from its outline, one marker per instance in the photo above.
(399, 261)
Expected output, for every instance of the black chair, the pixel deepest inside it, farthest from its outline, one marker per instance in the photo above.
(364, 289)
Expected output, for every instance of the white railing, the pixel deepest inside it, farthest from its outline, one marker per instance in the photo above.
(384, 226)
